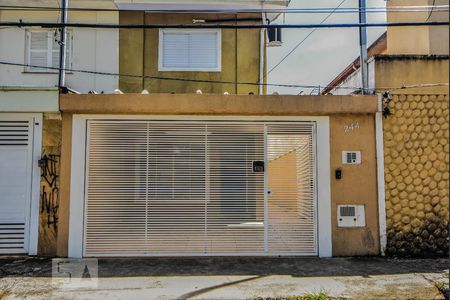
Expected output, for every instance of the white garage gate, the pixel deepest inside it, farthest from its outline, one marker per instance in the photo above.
(170, 188)
(19, 145)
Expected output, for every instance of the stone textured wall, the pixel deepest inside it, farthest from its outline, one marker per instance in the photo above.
(416, 138)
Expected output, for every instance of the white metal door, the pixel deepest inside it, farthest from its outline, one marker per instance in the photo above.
(185, 188)
(15, 183)
(292, 216)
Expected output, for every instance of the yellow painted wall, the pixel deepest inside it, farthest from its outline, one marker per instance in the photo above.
(418, 40)
(139, 56)
(66, 157)
(416, 139)
(357, 186)
(50, 184)
(396, 71)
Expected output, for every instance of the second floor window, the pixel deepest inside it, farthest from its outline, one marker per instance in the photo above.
(190, 50)
(43, 51)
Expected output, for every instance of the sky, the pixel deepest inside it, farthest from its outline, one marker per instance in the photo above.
(325, 53)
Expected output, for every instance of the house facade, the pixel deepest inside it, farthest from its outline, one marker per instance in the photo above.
(415, 131)
(30, 117)
(187, 156)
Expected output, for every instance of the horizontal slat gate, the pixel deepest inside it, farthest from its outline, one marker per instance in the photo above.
(15, 150)
(291, 204)
(235, 206)
(175, 188)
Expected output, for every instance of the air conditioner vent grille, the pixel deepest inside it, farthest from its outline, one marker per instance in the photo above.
(348, 211)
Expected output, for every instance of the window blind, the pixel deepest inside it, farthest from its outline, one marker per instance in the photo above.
(190, 51)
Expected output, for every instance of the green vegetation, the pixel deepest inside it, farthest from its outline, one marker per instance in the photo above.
(320, 296)
(442, 289)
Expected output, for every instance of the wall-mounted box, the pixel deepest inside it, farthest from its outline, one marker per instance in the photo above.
(351, 216)
(351, 157)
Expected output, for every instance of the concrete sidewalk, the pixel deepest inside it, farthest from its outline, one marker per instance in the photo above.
(230, 278)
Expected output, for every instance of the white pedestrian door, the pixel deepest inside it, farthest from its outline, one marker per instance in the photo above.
(194, 188)
(15, 183)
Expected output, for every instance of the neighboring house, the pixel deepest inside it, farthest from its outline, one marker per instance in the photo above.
(416, 136)
(30, 120)
(347, 81)
(191, 158)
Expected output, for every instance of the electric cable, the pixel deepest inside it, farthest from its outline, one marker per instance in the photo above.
(424, 85)
(218, 26)
(301, 42)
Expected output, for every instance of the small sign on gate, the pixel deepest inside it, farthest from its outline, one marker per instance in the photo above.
(258, 166)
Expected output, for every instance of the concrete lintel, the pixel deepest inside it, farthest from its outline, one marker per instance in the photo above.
(28, 100)
(213, 104)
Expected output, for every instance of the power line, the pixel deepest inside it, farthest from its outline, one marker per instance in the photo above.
(431, 11)
(215, 81)
(217, 26)
(422, 8)
(302, 41)
(151, 77)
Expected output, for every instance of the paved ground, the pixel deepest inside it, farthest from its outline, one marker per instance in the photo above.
(226, 278)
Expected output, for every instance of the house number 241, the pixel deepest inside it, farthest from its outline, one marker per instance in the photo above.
(351, 127)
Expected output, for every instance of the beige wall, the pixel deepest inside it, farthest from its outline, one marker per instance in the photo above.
(396, 71)
(414, 39)
(139, 56)
(50, 184)
(357, 187)
(66, 156)
(192, 104)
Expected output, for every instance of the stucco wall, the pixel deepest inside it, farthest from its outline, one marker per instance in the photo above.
(394, 71)
(414, 39)
(66, 156)
(22, 99)
(92, 49)
(416, 138)
(50, 184)
(358, 184)
(139, 56)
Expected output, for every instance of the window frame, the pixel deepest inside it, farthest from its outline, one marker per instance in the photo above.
(161, 67)
(49, 52)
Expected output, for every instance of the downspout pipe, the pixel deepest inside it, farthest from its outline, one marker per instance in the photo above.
(363, 46)
(63, 45)
(380, 176)
(262, 55)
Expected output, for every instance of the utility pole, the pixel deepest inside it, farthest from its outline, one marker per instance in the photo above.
(363, 46)
(63, 45)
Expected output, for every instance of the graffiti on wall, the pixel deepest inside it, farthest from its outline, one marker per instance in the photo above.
(50, 188)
